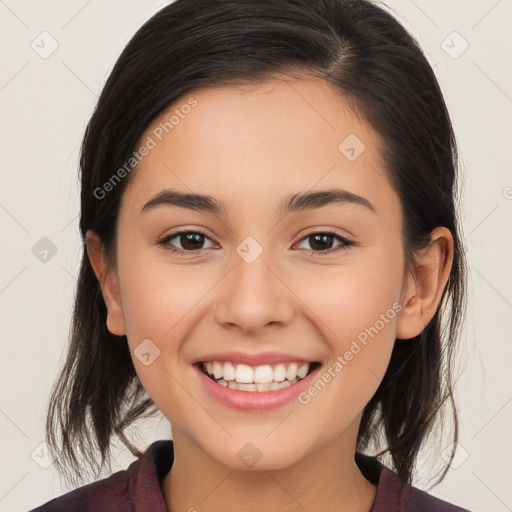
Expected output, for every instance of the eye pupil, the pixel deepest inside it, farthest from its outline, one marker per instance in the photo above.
(186, 238)
(324, 239)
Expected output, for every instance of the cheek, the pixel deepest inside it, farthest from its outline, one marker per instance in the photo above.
(156, 295)
(352, 297)
(160, 304)
(359, 311)
(358, 307)
(156, 299)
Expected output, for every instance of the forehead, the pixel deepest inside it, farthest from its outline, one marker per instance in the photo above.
(261, 140)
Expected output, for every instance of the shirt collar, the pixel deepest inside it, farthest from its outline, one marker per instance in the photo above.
(147, 473)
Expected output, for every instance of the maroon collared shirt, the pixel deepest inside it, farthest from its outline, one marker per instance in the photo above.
(138, 488)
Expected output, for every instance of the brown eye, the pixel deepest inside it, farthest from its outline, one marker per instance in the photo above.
(188, 241)
(322, 243)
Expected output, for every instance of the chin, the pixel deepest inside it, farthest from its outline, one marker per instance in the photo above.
(256, 454)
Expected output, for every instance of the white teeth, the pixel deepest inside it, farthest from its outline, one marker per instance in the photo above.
(280, 385)
(303, 370)
(248, 387)
(244, 374)
(217, 370)
(263, 374)
(291, 373)
(229, 371)
(280, 372)
(272, 386)
(262, 377)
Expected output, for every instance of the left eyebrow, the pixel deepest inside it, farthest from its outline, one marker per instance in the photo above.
(313, 200)
(294, 203)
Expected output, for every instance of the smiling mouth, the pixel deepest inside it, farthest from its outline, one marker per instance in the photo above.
(262, 378)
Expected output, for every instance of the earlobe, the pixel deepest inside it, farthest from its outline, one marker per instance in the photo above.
(108, 283)
(423, 290)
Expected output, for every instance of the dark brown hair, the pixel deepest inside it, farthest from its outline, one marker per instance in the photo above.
(366, 55)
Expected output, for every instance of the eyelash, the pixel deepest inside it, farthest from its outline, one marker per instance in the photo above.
(345, 243)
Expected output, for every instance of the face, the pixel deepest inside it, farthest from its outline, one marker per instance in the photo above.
(321, 284)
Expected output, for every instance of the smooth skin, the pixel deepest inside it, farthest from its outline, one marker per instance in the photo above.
(250, 147)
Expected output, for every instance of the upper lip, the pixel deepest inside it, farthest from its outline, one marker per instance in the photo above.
(255, 359)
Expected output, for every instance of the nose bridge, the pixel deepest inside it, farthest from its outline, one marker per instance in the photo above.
(251, 263)
(252, 295)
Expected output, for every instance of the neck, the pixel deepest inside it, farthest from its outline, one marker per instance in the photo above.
(328, 479)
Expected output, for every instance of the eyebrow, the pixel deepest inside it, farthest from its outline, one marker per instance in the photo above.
(294, 203)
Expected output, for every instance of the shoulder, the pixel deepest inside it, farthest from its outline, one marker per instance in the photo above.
(416, 500)
(110, 493)
(394, 495)
(134, 489)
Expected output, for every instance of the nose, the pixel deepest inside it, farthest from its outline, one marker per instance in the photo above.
(254, 294)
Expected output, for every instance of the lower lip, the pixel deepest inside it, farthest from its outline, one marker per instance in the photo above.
(255, 400)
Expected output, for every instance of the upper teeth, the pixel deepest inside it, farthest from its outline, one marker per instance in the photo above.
(266, 373)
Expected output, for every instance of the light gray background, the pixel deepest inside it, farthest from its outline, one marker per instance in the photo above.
(45, 104)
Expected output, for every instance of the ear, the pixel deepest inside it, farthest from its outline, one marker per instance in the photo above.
(108, 282)
(424, 286)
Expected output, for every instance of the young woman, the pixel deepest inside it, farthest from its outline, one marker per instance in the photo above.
(272, 259)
